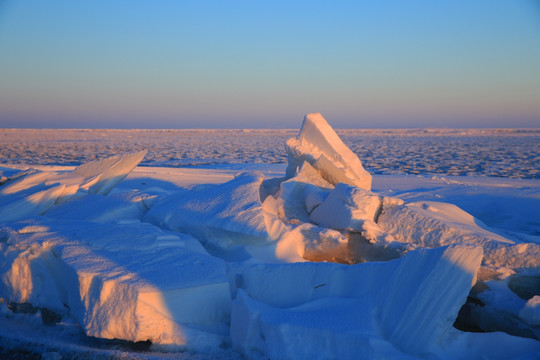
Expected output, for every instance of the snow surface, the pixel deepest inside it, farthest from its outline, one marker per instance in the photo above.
(220, 263)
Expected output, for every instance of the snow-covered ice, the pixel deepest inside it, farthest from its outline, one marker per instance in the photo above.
(319, 260)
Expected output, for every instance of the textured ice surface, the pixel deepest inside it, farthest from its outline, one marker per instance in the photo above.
(471, 152)
(319, 145)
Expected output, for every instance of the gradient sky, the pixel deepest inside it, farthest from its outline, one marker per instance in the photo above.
(264, 64)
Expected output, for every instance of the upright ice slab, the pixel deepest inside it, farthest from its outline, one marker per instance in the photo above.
(318, 144)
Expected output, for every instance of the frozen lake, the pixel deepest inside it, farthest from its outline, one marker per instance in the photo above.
(513, 153)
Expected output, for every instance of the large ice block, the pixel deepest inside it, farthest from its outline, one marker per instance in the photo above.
(318, 144)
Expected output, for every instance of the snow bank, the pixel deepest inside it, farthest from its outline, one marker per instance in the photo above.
(131, 282)
(318, 144)
(322, 311)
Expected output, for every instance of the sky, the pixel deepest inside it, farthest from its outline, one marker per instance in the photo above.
(265, 64)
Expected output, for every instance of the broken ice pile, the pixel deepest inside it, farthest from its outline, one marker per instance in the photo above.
(311, 265)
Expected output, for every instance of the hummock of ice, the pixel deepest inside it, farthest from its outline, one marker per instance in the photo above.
(258, 264)
(318, 144)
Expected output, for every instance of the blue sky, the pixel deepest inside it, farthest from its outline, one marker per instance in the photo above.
(262, 64)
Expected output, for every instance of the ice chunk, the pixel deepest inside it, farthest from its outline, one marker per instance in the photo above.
(102, 176)
(302, 193)
(419, 294)
(221, 215)
(158, 286)
(312, 243)
(347, 207)
(318, 144)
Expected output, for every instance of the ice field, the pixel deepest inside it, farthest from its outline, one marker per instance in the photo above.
(513, 153)
(270, 244)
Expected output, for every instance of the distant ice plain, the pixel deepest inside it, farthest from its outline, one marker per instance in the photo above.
(512, 153)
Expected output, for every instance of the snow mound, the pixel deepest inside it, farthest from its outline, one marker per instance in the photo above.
(158, 286)
(318, 144)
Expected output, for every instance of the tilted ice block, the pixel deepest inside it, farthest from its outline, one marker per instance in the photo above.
(101, 176)
(372, 305)
(318, 144)
(220, 216)
(347, 207)
(131, 282)
(432, 224)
